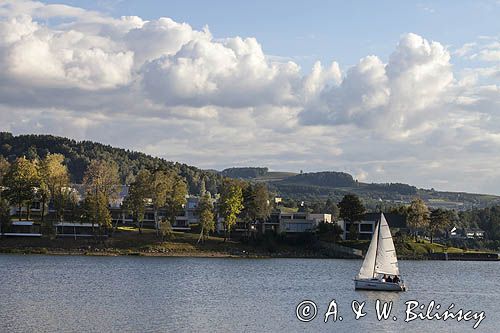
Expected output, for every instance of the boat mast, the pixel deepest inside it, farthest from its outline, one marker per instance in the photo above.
(376, 248)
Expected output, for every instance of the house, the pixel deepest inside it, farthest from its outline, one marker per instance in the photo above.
(36, 208)
(23, 229)
(320, 218)
(70, 229)
(473, 233)
(186, 218)
(271, 224)
(454, 233)
(298, 222)
(281, 221)
(366, 226)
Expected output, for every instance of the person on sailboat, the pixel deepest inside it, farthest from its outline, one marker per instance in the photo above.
(396, 279)
(384, 278)
(389, 279)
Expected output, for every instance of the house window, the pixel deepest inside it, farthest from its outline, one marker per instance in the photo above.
(366, 227)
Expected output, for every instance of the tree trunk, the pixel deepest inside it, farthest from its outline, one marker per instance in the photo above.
(156, 223)
(201, 236)
(42, 218)
(114, 228)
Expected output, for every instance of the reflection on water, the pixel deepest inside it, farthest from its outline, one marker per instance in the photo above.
(381, 295)
(134, 294)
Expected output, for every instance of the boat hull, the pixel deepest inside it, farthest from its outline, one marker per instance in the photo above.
(374, 284)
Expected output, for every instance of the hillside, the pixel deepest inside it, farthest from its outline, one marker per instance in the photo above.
(304, 186)
(330, 184)
(78, 155)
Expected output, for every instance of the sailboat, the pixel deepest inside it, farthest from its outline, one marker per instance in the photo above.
(380, 261)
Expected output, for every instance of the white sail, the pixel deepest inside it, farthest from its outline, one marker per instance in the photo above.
(367, 269)
(386, 261)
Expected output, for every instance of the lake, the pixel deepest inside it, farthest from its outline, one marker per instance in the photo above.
(164, 294)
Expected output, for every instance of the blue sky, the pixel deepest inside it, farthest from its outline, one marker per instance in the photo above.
(389, 91)
(307, 31)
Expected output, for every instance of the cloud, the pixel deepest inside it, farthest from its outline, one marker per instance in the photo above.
(390, 98)
(163, 87)
(38, 56)
(486, 49)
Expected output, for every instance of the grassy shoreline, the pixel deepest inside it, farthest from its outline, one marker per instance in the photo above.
(129, 242)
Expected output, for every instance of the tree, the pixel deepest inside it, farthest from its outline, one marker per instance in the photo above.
(400, 209)
(353, 231)
(102, 185)
(176, 197)
(167, 190)
(54, 180)
(256, 203)
(96, 207)
(42, 194)
(207, 217)
(203, 188)
(4, 168)
(138, 194)
(440, 219)
(331, 230)
(165, 229)
(352, 211)
(331, 208)
(230, 204)
(418, 216)
(160, 185)
(4, 216)
(32, 154)
(71, 200)
(21, 181)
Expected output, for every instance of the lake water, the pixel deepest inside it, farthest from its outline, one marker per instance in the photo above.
(140, 294)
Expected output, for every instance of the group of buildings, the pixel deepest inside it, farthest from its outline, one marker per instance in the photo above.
(280, 221)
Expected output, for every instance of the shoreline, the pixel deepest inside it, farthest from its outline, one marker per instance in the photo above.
(198, 254)
(179, 254)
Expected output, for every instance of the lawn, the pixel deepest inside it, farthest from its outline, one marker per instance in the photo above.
(410, 248)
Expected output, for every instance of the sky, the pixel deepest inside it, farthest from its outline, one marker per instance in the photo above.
(389, 91)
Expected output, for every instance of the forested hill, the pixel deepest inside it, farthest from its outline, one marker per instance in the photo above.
(245, 173)
(315, 186)
(303, 186)
(324, 178)
(78, 155)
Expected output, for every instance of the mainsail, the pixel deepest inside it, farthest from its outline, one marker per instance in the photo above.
(381, 256)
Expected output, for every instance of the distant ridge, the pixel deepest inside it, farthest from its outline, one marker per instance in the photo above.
(304, 186)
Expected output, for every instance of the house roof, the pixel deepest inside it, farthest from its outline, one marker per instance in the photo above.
(394, 220)
(71, 224)
(21, 223)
